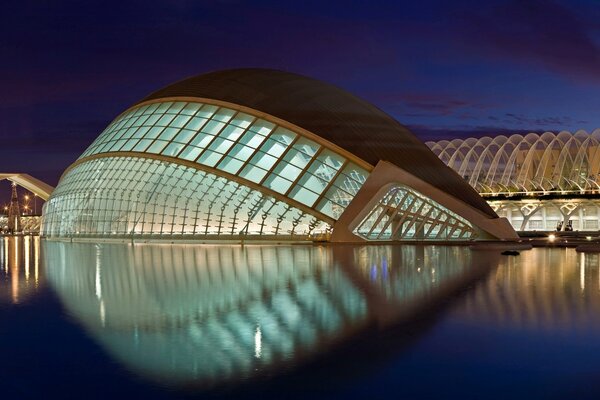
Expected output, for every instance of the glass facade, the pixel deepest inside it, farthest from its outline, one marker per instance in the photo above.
(239, 144)
(404, 214)
(134, 196)
(189, 168)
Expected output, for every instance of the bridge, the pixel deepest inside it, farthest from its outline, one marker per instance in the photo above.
(14, 222)
(34, 185)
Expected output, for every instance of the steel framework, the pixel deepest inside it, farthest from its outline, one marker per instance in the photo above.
(530, 165)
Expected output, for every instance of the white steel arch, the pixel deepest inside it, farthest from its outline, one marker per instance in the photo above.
(561, 163)
(37, 187)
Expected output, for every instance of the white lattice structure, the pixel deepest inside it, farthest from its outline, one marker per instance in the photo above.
(538, 181)
(532, 164)
(404, 213)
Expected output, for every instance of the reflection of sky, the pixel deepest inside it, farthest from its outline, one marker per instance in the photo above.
(444, 68)
(209, 314)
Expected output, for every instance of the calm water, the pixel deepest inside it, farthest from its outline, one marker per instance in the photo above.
(174, 321)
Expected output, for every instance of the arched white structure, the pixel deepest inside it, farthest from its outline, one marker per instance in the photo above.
(37, 187)
(538, 181)
(534, 164)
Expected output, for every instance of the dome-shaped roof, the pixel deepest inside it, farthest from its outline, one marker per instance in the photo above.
(334, 114)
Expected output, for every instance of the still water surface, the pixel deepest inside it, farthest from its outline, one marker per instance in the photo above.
(179, 321)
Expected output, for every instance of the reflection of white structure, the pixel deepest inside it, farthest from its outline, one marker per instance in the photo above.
(255, 153)
(537, 182)
(547, 290)
(209, 315)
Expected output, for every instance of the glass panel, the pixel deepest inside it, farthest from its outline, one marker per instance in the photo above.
(303, 195)
(173, 149)
(190, 153)
(223, 115)
(262, 127)
(277, 183)
(230, 165)
(253, 173)
(157, 146)
(252, 139)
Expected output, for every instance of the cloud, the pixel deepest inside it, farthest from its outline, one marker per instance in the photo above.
(427, 133)
(522, 119)
(426, 104)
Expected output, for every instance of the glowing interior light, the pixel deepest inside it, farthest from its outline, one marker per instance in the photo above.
(257, 343)
(552, 237)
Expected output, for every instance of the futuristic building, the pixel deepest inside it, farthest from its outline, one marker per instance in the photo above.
(262, 154)
(538, 182)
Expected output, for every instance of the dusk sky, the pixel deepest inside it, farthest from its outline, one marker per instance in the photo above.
(443, 68)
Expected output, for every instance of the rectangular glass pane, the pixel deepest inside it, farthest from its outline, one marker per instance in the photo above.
(231, 132)
(142, 145)
(209, 158)
(289, 171)
(223, 115)
(190, 153)
(168, 133)
(176, 107)
(273, 147)
(213, 127)
(283, 136)
(303, 195)
(173, 149)
(252, 139)
(263, 127)
(263, 160)
(277, 183)
(165, 120)
(242, 120)
(220, 145)
(180, 121)
(241, 152)
(207, 111)
(253, 173)
(196, 123)
(190, 109)
(184, 136)
(230, 165)
(157, 146)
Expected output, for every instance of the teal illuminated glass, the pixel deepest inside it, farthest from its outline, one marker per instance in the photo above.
(237, 143)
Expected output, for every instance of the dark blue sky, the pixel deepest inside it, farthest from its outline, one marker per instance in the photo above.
(443, 68)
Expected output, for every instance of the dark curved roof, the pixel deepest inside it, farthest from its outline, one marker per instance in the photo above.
(332, 113)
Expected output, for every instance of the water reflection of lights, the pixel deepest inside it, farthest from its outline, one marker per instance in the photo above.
(19, 255)
(548, 289)
(207, 315)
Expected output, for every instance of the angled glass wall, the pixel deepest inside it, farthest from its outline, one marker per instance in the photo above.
(404, 214)
(240, 144)
(132, 196)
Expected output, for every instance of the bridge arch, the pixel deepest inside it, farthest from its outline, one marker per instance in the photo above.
(34, 185)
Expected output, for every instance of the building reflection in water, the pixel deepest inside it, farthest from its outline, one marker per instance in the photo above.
(20, 274)
(545, 290)
(205, 315)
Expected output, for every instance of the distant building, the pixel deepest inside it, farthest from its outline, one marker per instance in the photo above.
(268, 155)
(538, 182)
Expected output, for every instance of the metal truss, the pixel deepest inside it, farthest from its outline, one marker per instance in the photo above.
(533, 164)
(404, 214)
